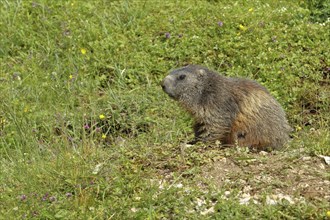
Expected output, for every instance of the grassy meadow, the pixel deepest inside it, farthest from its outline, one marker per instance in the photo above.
(86, 131)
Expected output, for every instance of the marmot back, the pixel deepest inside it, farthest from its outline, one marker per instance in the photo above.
(231, 110)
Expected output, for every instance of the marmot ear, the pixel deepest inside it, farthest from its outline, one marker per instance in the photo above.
(201, 72)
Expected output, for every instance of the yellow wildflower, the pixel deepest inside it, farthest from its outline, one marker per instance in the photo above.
(102, 116)
(26, 109)
(104, 136)
(328, 214)
(70, 76)
(251, 10)
(242, 27)
(83, 51)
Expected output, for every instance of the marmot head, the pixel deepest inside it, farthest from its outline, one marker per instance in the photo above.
(185, 84)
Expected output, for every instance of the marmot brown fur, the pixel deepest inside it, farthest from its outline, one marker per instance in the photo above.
(231, 110)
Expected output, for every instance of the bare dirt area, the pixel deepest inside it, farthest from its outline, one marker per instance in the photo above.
(292, 176)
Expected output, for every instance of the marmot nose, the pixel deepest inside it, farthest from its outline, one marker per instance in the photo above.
(163, 85)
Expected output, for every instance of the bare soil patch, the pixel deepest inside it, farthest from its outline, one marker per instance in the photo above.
(292, 175)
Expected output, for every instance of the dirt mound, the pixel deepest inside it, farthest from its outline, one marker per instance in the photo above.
(281, 175)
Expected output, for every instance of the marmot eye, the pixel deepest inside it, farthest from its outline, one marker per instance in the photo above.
(181, 77)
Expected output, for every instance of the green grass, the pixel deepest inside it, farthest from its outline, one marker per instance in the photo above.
(65, 63)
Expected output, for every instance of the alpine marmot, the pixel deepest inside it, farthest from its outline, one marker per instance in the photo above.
(230, 110)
